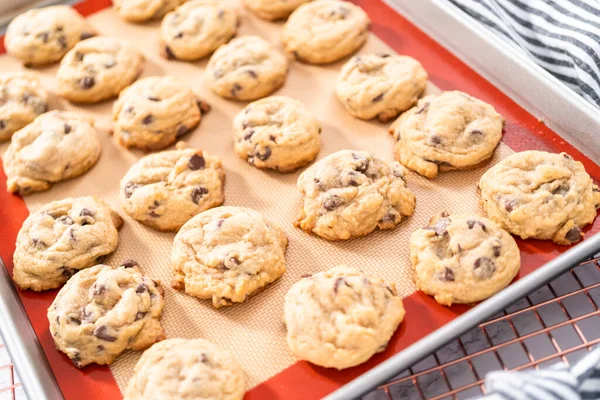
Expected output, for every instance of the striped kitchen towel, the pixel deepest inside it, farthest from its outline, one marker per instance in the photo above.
(578, 382)
(561, 36)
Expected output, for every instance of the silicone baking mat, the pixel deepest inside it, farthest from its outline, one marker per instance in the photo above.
(254, 331)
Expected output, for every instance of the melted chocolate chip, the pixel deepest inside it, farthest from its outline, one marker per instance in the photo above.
(2, 124)
(67, 272)
(476, 132)
(306, 275)
(383, 55)
(72, 235)
(236, 88)
(203, 106)
(448, 275)
(87, 82)
(181, 130)
(129, 264)
(484, 268)
(197, 193)
(141, 288)
(332, 203)
(130, 188)
(78, 56)
(377, 98)
(248, 134)
(65, 219)
(510, 205)
(362, 165)
(264, 155)
(220, 223)
(67, 129)
(152, 98)
(471, 224)
(178, 36)
(562, 190)
(86, 213)
(337, 283)
(76, 360)
(140, 315)
(573, 235)
(62, 41)
(196, 162)
(496, 249)
(435, 140)
(99, 289)
(252, 74)
(101, 332)
(86, 35)
(38, 244)
(272, 138)
(148, 119)
(169, 53)
(389, 217)
(74, 320)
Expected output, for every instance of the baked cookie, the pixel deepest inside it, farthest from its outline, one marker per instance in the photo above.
(62, 238)
(445, 132)
(144, 10)
(164, 190)
(154, 112)
(277, 133)
(340, 317)
(273, 9)
(22, 98)
(186, 369)
(44, 35)
(227, 254)
(196, 28)
(97, 69)
(380, 85)
(350, 193)
(322, 32)
(463, 258)
(534, 194)
(57, 145)
(247, 68)
(103, 311)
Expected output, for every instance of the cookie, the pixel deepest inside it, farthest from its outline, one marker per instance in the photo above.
(463, 258)
(164, 190)
(144, 10)
(446, 132)
(277, 133)
(196, 28)
(154, 112)
(57, 145)
(22, 98)
(380, 85)
(227, 254)
(322, 32)
(44, 35)
(103, 311)
(62, 238)
(350, 193)
(340, 317)
(186, 369)
(97, 69)
(272, 10)
(247, 68)
(534, 194)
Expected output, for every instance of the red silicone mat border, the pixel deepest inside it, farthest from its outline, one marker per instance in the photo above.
(302, 380)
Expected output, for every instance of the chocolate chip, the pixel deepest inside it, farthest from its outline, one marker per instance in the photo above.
(448, 275)
(152, 98)
(471, 224)
(110, 64)
(141, 288)
(338, 282)
(87, 82)
(383, 55)
(332, 203)
(153, 214)
(496, 249)
(217, 73)
(204, 358)
(72, 235)
(67, 129)
(74, 320)
(435, 140)
(101, 332)
(573, 235)
(362, 165)
(129, 264)
(389, 217)
(38, 244)
(99, 289)
(78, 56)
(76, 360)
(264, 155)
(249, 134)
(562, 190)
(252, 74)
(178, 36)
(272, 138)
(196, 162)
(148, 119)
(140, 315)
(484, 268)
(236, 88)
(306, 275)
(62, 41)
(440, 226)
(510, 205)
(182, 130)
(2, 124)
(197, 193)
(377, 98)
(423, 108)
(67, 272)
(220, 223)
(66, 220)
(86, 213)
(100, 348)
(203, 106)
(476, 132)
(169, 53)
(86, 35)
(44, 36)
(130, 188)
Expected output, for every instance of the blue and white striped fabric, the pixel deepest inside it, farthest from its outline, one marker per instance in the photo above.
(562, 36)
(579, 382)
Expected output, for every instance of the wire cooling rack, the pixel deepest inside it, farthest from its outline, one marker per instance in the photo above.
(10, 385)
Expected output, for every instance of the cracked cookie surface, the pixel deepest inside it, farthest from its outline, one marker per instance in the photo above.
(197, 28)
(166, 189)
(380, 85)
(62, 238)
(445, 132)
(350, 193)
(322, 32)
(339, 318)
(144, 10)
(103, 311)
(246, 68)
(278, 133)
(57, 145)
(186, 369)
(463, 258)
(273, 9)
(22, 99)
(97, 69)
(227, 254)
(154, 112)
(44, 35)
(540, 195)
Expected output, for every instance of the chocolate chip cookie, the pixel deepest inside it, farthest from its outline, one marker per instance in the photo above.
(380, 85)
(463, 258)
(44, 35)
(534, 194)
(227, 254)
(164, 190)
(22, 98)
(186, 369)
(103, 311)
(350, 193)
(247, 68)
(154, 112)
(273, 9)
(339, 318)
(62, 238)
(57, 145)
(196, 28)
(322, 32)
(97, 69)
(144, 10)
(277, 133)
(445, 132)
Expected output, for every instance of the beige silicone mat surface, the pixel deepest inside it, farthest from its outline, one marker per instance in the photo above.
(254, 331)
